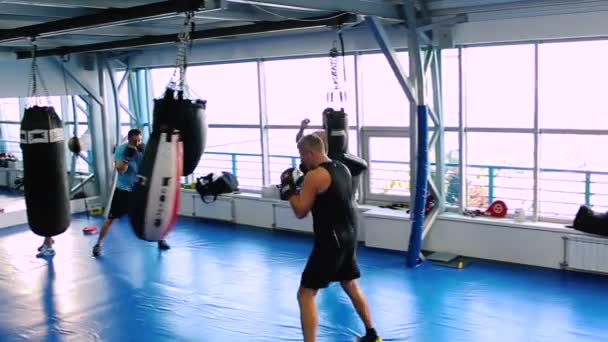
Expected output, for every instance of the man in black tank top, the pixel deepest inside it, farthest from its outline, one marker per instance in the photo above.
(327, 192)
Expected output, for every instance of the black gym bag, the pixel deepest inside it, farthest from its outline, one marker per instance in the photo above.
(588, 221)
(215, 184)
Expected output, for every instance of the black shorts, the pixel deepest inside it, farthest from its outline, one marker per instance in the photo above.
(333, 258)
(120, 204)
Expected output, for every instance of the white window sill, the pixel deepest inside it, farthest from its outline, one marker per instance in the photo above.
(402, 214)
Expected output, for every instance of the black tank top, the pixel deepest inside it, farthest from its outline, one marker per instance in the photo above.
(333, 211)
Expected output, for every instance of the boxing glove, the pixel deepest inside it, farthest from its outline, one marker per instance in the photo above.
(130, 152)
(141, 147)
(288, 182)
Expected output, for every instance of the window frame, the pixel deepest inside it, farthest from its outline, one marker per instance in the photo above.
(366, 134)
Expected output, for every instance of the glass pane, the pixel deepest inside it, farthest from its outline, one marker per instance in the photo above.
(389, 166)
(499, 86)
(81, 107)
(450, 87)
(297, 89)
(235, 150)
(452, 178)
(11, 132)
(384, 101)
(500, 168)
(160, 77)
(571, 174)
(123, 97)
(9, 109)
(573, 97)
(231, 90)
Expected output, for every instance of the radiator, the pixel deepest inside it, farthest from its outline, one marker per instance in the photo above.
(585, 253)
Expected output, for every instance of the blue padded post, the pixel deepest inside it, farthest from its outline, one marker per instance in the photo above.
(422, 170)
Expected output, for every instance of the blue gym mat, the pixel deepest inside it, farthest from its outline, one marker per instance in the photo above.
(222, 282)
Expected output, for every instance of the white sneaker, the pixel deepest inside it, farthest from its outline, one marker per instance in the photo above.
(42, 246)
(46, 252)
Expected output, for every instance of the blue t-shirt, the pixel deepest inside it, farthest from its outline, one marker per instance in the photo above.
(126, 180)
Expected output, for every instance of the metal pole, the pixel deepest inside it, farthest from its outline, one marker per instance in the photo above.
(82, 183)
(536, 172)
(109, 170)
(74, 156)
(363, 185)
(264, 141)
(439, 127)
(116, 101)
(462, 156)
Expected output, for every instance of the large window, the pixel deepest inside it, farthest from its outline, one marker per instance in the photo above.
(450, 87)
(297, 89)
(500, 168)
(572, 174)
(231, 90)
(284, 151)
(235, 150)
(573, 97)
(499, 86)
(501, 90)
(384, 100)
(499, 94)
(389, 171)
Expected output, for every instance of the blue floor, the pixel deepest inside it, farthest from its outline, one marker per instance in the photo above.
(230, 283)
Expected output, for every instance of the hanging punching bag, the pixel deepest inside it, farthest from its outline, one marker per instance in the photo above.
(44, 171)
(336, 127)
(155, 197)
(188, 116)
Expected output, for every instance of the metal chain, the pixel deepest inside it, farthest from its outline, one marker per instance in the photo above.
(333, 64)
(181, 62)
(33, 98)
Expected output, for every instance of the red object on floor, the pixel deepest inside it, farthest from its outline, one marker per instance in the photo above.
(90, 230)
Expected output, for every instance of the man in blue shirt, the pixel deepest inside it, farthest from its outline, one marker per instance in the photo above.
(127, 159)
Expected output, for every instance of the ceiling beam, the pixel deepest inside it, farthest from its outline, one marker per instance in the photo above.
(43, 11)
(261, 27)
(451, 7)
(246, 12)
(8, 22)
(109, 17)
(99, 4)
(382, 9)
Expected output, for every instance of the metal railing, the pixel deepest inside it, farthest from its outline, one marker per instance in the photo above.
(561, 190)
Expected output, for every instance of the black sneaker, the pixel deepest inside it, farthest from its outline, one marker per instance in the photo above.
(96, 250)
(370, 338)
(162, 244)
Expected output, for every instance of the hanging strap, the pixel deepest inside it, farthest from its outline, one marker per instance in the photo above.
(33, 98)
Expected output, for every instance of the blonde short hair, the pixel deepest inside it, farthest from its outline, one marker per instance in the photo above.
(311, 142)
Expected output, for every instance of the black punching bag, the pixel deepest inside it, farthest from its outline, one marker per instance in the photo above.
(44, 171)
(336, 128)
(187, 116)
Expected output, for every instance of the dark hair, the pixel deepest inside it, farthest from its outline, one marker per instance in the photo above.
(133, 132)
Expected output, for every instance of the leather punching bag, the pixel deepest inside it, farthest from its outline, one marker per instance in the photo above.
(155, 198)
(188, 116)
(336, 127)
(44, 171)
